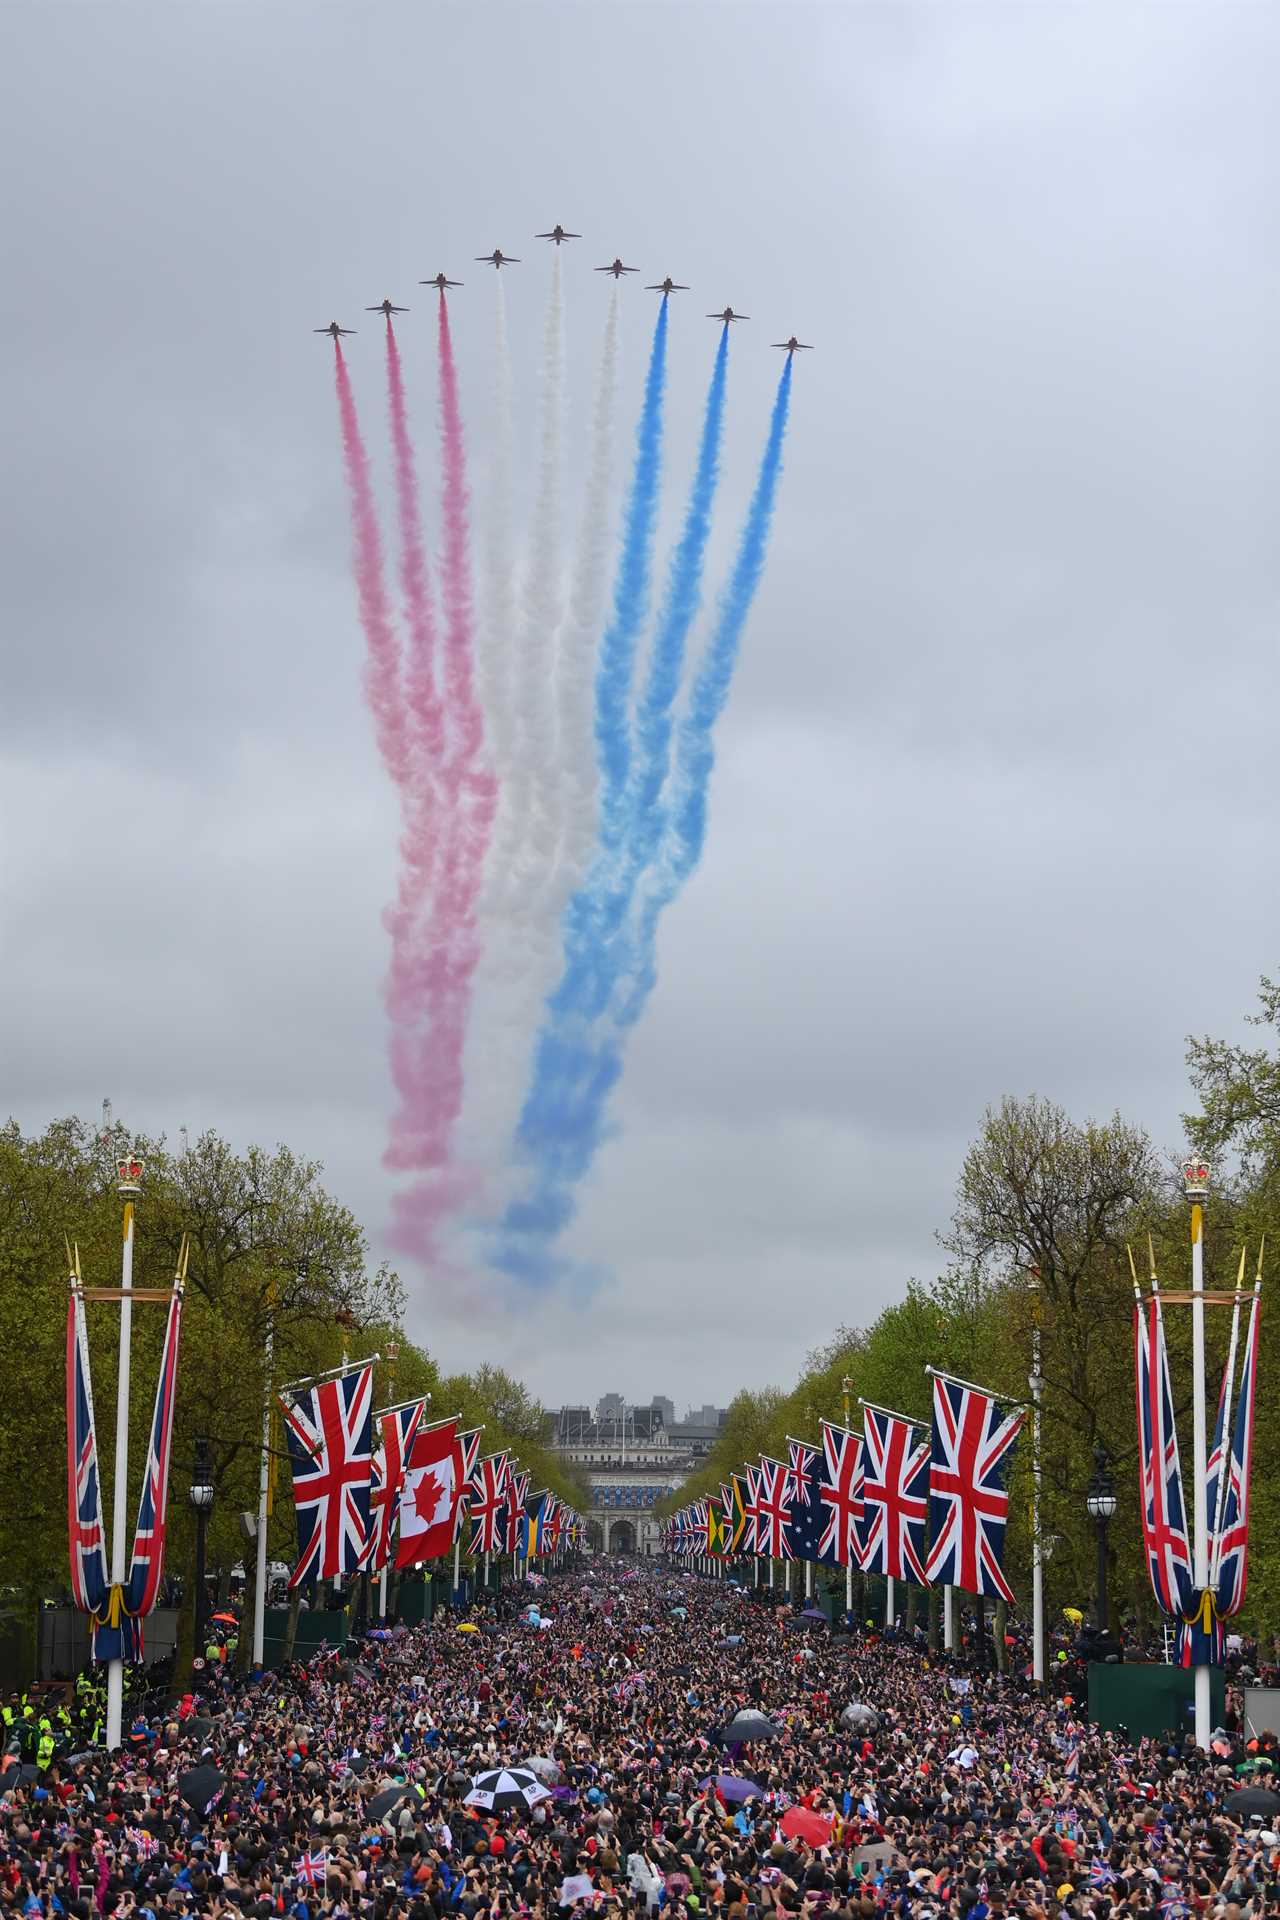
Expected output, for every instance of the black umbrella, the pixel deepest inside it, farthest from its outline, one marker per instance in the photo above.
(1248, 1800)
(359, 1764)
(749, 1725)
(382, 1803)
(198, 1727)
(200, 1787)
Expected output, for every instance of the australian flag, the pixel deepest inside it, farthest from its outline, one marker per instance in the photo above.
(807, 1523)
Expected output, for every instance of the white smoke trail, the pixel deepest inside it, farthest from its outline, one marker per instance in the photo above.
(556, 677)
(497, 628)
(539, 827)
(580, 638)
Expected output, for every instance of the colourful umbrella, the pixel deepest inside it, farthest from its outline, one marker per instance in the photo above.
(802, 1823)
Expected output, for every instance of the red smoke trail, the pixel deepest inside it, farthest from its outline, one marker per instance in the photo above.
(420, 841)
(451, 948)
(382, 668)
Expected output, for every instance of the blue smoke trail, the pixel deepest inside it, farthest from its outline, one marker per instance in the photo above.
(571, 1054)
(630, 598)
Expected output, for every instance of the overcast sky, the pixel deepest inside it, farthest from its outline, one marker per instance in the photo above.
(995, 802)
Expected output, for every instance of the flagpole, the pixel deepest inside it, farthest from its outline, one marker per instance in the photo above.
(846, 1388)
(128, 1187)
(264, 1491)
(1036, 1383)
(1195, 1176)
(393, 1354)
(948, 1619)
(890, 1608)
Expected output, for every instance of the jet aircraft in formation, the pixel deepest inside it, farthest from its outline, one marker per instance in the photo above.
(558, 235)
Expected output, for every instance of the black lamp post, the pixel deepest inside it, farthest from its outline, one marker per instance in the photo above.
(1101, 1502)
(202, 1501)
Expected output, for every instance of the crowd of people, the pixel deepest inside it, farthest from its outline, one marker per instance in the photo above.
(870, 1780)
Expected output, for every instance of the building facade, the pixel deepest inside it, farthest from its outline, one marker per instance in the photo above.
(631, 1458)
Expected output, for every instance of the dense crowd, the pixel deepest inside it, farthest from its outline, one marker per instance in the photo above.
(880, 1783)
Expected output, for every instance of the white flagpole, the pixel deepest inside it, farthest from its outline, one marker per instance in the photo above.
(1196, 1180)
(1036, 1383)
(264, 1490)
(130, 1175)
(808, 1579)
(457, 1566)
(948, 1619)
(889, 1603)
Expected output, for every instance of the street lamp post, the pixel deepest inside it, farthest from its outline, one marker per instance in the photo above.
(1101, 1502)
(202, 1501)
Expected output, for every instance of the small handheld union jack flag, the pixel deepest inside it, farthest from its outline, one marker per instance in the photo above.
(312, 1868)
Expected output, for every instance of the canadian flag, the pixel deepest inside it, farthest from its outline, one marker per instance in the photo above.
(429, 1496)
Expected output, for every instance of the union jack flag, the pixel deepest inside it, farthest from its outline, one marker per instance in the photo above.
(397, 1430)
(518, 1483)
(773, 1509)
(84, 1488)
(1229, 1541)
(312, 1868)
(968, 1494)
(466, 1451)
(487, 1504)
(750, 1508)
(329, 1431)
(895, 1496)
(1164, 1514)
(840, 1492)
(147, 1565)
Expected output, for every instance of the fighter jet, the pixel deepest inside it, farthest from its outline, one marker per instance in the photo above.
(439, 280)
(334, 330)
(386, 306)
(558, 233)
(617, 269)
(499, 259)
(667, 286)
(793, 346)
(728, 315)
